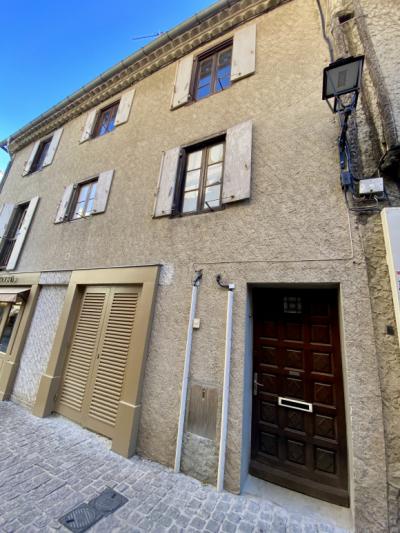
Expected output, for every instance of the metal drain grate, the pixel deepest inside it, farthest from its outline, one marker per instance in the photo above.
(86, 515)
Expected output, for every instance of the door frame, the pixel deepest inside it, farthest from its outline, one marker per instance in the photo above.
(248, 378)
(124, 441)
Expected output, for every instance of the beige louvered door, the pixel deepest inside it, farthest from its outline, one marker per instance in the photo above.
(81, 356)
(105, 387)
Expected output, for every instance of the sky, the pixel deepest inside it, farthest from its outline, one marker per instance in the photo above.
(51, 48)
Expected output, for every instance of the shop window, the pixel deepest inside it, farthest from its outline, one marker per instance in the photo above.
(8, 318)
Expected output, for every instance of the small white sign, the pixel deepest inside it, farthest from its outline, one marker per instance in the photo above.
(371, 186)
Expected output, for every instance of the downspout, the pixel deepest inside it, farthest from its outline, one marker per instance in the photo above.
(225, 394)
(186, 368)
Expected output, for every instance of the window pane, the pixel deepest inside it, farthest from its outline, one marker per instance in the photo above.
(192, 180)
(83, 192)
(12, 317)
(223, 70)
(212, 196)
(89, 207)
(93, 187)
(204, 78)
(190, 202)
(194, 160)
(215, 153)
(214, 174)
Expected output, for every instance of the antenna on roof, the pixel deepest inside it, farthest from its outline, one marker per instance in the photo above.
(148, 36)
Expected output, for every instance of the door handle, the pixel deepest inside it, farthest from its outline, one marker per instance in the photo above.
(291, 403)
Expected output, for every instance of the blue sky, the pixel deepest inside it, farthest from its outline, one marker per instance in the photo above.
(50, 48)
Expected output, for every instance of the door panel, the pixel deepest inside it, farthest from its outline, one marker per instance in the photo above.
(297, 357)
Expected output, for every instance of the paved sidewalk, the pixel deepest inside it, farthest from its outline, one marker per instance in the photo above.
(49, 466)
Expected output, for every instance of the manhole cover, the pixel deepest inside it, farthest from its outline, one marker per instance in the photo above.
(81, 518)
(108, 501)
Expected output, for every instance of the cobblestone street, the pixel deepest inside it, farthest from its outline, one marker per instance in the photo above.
(49, 466)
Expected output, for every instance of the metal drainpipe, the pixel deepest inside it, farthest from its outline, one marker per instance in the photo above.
(186, 368)
(225, 395)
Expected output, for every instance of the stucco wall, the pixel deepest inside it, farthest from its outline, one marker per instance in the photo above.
(295, 229)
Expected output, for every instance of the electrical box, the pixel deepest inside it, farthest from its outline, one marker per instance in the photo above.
(196, 323)
(202, 412)
(371, 186)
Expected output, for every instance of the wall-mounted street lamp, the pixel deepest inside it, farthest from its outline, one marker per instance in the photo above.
(342, 81)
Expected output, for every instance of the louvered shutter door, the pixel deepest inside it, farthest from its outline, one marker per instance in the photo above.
(62, 211)
(28, 164)
(181, 93)
(89, 125)
(167, 182)
(114, 348)
(244, 53)
(53, 147)
(19, 242)
(82, 354)
(102, 191)
(237, 166)
(124, 107)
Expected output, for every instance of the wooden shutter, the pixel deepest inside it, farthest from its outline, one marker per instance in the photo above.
(109, 373)
(181, 93)
(166, 183)
(82, 353)
(53, 147)
(244, 53)
(89, 125)
(12, 262)
(63, 208)
(5, 219)
(124, 107)
(28, 164)
(237, 167)
(102, 191)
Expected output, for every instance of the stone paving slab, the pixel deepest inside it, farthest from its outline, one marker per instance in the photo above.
(49, 466)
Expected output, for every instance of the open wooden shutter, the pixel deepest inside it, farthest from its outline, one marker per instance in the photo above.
(81, 355)
(12, 262)
(5, 219)
(237, 167)
(89, 125)
(181, 93)
(102, 191)
(28, 164)
(53, 147)
(109, 371)
(124, 107)
(63, 208)
(244, 52)
(167, 182)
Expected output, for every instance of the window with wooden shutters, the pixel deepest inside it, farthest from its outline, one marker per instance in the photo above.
(215, 69)
(205, 176)
(102, 120)
(43, 152)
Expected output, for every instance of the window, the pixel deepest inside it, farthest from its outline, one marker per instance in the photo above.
(213, 73)
(106, 120)
(40, 155)
(8, 317)
(83, 202)
(202, 179)
(14, 231)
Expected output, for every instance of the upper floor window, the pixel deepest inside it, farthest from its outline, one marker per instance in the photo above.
(213, 73)
(202, 180)
(106, 120)
(13, 232)
(40, 156)
(83, 202)
(42, 153)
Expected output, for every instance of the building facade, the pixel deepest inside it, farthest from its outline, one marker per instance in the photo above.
(210, 151)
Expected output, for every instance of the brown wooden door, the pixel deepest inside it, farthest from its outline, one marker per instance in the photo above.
(298, 420)
(95, 366)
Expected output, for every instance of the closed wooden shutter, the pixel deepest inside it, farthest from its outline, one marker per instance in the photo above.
(5, 219)
(124, 107)
(12, 262)
(181, 94)
(102, 191)
(81, 355)
(53, 147)
(109, 373)
(244, 53)
(237, 168)
(89, 125)
(28, 164)
(167, 182)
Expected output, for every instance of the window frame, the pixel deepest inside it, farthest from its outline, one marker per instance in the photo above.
(210, 52)
(18, 218)
(97, 123)
(4, 319)
(40, 155)
(75, 196)
(203, 145)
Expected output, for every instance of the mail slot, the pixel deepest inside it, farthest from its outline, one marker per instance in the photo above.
(290, 403)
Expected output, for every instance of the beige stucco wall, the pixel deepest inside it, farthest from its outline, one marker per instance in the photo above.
(295, 229)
